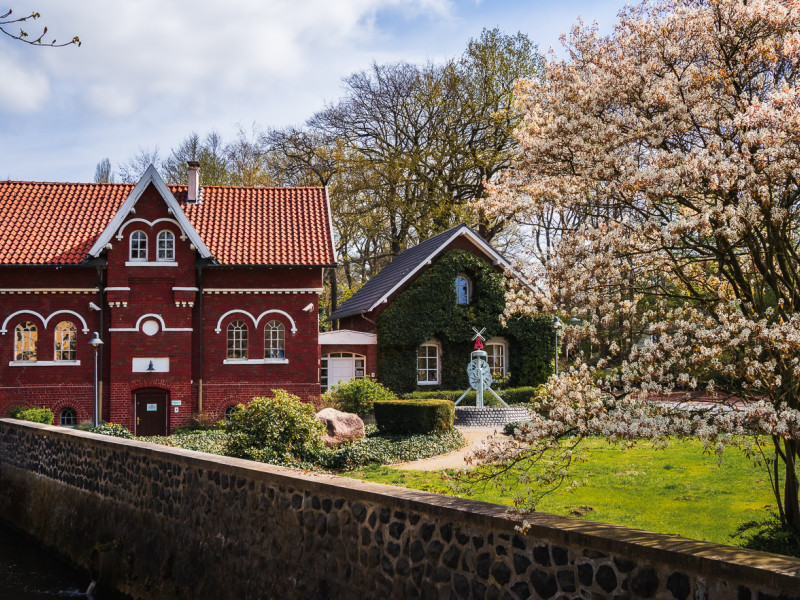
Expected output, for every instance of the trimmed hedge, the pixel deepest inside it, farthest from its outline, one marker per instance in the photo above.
(33, 414)
(414, 416)
(520, 395)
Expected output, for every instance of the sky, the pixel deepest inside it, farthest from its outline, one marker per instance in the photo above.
(150, 72)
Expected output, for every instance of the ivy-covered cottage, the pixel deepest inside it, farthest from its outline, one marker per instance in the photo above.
(203, 297)
(411, 326)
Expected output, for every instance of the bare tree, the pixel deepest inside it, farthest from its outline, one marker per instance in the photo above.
(6, 20)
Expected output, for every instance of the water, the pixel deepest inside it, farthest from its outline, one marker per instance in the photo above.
(27, 572)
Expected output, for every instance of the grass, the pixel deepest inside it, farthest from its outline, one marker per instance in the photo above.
(677, 490)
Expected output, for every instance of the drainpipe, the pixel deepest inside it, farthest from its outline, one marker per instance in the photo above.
(101, 303)
(200, 339)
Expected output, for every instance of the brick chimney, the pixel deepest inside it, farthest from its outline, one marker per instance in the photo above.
(193, 196)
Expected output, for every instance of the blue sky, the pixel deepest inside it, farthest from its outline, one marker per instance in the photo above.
(150, 72)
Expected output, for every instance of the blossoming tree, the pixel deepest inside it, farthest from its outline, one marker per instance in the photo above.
(673, 146)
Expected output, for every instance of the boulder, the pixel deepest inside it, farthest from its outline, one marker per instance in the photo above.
(342, 427)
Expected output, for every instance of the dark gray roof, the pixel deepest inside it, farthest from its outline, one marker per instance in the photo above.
(405, 263)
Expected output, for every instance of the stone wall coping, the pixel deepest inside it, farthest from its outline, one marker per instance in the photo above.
(706, 558)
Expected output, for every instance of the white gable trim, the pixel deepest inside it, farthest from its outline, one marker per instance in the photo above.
(346, 337)
(150, 176)
(476, 239)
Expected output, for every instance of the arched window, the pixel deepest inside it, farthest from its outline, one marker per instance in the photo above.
(274, 340)
(166, 245)
(138, 245)
(66, 341)
(463, 289)
(428, 364)
(229, 411)
(25, 337)
(68, 417)
(237, 339)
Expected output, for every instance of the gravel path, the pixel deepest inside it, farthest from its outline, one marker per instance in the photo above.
(452, 460)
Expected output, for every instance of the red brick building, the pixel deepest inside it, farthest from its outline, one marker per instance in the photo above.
(204, 297)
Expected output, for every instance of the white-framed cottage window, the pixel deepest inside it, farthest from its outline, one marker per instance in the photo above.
(165, 245)
(138, 241)
(463, 289)
(274, 340)
(68, 417)
(66, 341)
(25, 338)
(237, 339)
(428, 363)
(497, 351)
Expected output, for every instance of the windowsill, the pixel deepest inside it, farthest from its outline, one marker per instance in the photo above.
(427, 383)
(44, 363)
(255, 361)
(150, 263)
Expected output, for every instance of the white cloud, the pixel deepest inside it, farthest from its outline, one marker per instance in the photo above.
(24, 88)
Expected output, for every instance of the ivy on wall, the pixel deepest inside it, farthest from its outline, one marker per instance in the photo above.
(428, 309)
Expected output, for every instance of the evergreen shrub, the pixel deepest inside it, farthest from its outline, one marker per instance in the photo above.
(33, 414)
(359, 395)
(278, 430)
(112, 429)
(414, 416)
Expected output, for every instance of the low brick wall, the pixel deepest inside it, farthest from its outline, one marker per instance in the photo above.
(157, 522)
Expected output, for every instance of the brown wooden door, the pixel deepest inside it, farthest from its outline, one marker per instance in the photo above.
(151, 413)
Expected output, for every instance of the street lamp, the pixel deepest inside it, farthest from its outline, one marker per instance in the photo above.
(556, 327)
(95, 343)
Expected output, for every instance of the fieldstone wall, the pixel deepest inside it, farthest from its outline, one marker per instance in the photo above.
(472, 416)
(159, 523)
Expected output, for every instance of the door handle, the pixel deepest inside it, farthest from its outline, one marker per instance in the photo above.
(138, 420)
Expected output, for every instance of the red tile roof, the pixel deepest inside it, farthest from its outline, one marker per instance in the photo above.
(57, 223)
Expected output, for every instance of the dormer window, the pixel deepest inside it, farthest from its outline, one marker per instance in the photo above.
(463, 289)
(138, 246)
(166, 245)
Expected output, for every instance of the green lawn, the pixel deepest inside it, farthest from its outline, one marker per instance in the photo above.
(677, 490)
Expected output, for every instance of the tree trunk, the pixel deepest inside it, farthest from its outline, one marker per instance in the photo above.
(791, 503)
(334, 295)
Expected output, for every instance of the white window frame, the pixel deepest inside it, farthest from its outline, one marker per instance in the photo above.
(236, 344)
(26, 337)
(467, 289)
(141, 246)
(168, 238)
(501, 343)
(274, 340)
(437, 368)
(71, 337)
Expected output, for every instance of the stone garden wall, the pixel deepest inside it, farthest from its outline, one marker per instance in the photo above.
(164, 523)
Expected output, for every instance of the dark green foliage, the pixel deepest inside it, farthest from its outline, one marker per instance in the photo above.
(428, 309)
(414, 416)
(199, 421)
(532, 343)
(278, 430)
(112, 429)
(358, 395)
(377, 448)
(520, 395)
(769, 535)
(33, 414)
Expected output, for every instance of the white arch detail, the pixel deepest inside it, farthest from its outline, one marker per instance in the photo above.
(155, 316)
(230, 312)
(150, 224)
(44, 320)
(280, 312)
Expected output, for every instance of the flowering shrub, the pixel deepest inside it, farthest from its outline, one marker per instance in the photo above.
(113, 429)
(33, 414)
(278, 430)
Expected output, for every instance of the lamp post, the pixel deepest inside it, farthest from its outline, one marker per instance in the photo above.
(556, 327)
(95, 343)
